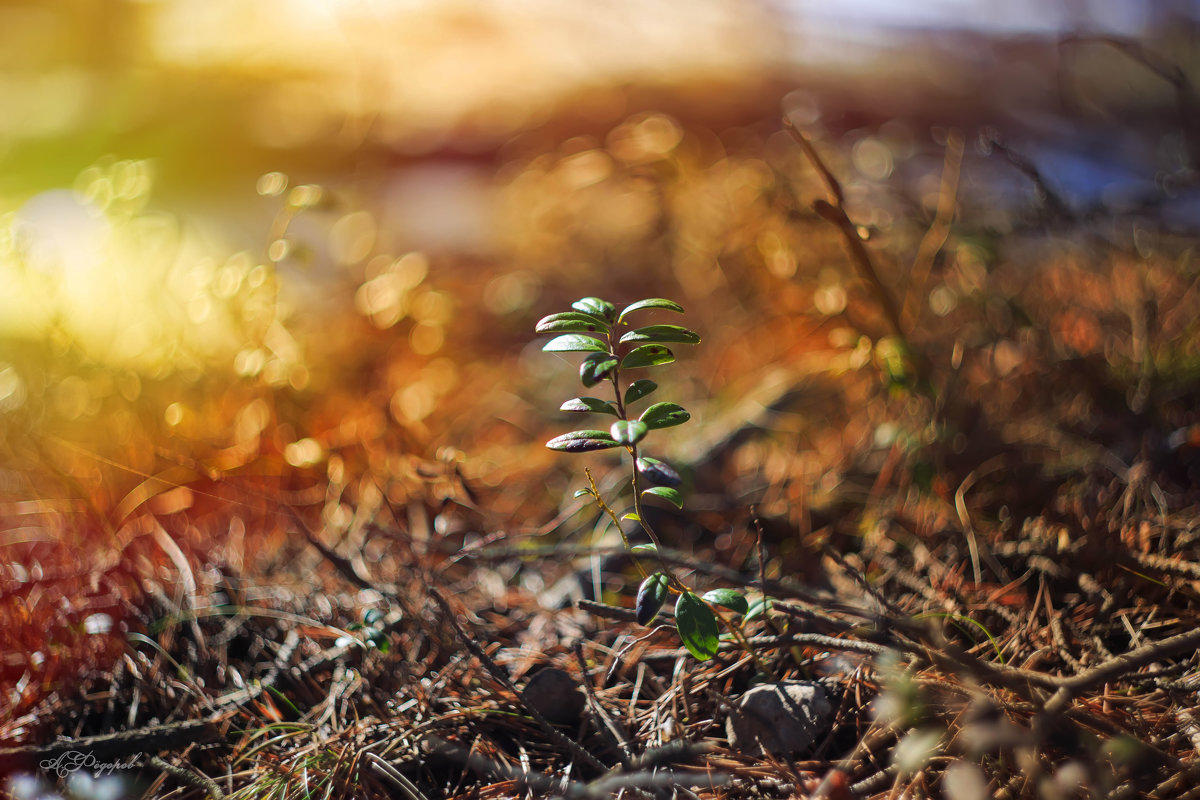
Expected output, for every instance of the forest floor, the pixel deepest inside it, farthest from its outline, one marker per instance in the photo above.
(977, 515)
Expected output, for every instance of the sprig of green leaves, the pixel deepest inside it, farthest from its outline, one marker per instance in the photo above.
(593, 326)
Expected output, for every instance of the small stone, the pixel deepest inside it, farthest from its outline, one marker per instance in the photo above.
(554, 694)
(783, 718)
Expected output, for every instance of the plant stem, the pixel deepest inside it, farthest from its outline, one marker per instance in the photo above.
(615, 377)
(637, 510)
(613, 516)
(674, 580)
(738, 636)
(729, 624)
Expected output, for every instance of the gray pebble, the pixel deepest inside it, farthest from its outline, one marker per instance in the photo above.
(784, 718)
(555, 695)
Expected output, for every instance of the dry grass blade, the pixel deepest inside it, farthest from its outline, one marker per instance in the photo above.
(406, 787)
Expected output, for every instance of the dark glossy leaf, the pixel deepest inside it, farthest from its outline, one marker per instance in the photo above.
(697, 626)
(659, 472)
(569, 321)
(582, 441)
(651, 596)
(662, 333)
(648, 355)
(589, 404)
(595, 306)
(727, 598)
(666, 493)
(757, 608)
(584, 493)
(379, 640)
(575, 343)
(596, 367)
(664, 415)
(653, 302)
(629, 431)
(639, 389)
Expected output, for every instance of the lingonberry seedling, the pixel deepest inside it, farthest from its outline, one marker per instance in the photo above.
(613, 347)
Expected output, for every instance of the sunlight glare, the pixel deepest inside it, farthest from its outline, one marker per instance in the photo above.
(128, 287)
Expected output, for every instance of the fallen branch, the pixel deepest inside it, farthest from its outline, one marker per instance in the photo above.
(151, 739)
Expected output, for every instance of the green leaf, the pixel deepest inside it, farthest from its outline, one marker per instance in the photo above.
(648, 355)
(653, 302)
(596, 368)
(379, 640)
(629, 431)
(575, 343)
(658, 472)
(662, 333)
(584, 493)
(582, 441)
(727, 598)
(632, 516)
(647, 549)
(664, 415)
(589, 404)
(650, 597)
(666, 493)
(697, 626)
(595, 306)
(639, 389)
(757, 608)
(571, 321)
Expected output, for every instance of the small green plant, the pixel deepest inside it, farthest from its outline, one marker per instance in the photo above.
(613, 347)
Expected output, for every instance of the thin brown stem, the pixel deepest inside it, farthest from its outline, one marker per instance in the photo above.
(641, 518)
(939, 231)
(607, 509)
(834, 211)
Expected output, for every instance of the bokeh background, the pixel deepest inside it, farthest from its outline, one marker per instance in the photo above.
(192, 189)
(292, 252)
